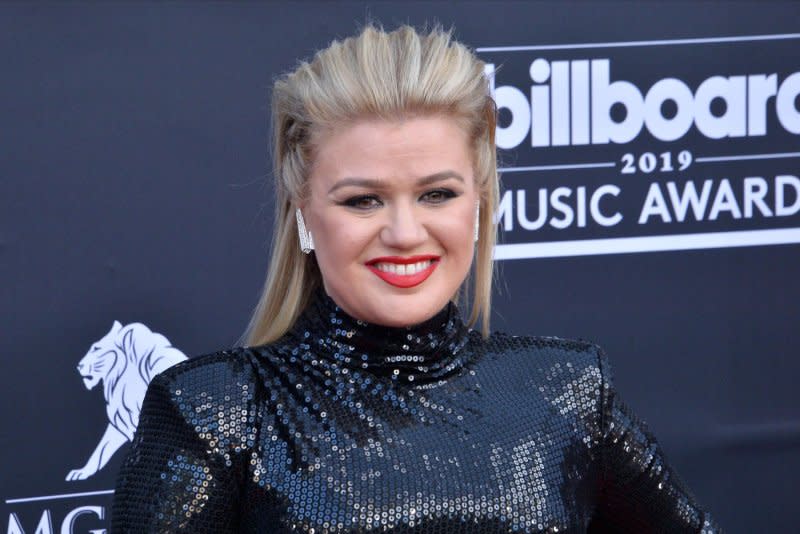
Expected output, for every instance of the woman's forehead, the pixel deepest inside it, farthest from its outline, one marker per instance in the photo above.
(393, 151)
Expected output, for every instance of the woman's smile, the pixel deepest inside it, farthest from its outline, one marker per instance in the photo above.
(404, 272)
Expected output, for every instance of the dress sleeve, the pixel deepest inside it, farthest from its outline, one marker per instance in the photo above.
(638, 492)
(172, 480)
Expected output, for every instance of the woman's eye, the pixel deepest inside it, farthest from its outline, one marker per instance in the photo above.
(438, 196)
(363, 202)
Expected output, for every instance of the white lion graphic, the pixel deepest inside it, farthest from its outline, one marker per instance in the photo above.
(125, 360)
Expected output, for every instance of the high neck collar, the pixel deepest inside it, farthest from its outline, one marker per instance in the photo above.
(420, 354)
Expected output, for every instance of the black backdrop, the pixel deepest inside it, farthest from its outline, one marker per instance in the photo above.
(134, 188)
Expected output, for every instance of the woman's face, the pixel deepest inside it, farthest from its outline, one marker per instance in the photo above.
(392, 213)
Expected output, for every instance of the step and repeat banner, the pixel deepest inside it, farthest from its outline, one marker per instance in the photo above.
(650, 158)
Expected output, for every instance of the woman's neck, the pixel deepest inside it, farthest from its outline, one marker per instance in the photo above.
(420, 354)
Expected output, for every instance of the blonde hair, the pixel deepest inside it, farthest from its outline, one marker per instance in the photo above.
(384, 75)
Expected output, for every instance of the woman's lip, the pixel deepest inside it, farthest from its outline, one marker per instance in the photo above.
(403, 260)
(404, 280)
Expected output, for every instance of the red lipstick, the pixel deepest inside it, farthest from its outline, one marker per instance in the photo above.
(404, 280)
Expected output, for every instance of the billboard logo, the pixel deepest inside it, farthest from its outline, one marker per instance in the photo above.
(571, 103)
(643, 146)
(125, 360)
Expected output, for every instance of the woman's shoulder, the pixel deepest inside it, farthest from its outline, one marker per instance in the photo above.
(548, 351)
(568, 375)
(210, 368)
(212, 396)
(209, 380)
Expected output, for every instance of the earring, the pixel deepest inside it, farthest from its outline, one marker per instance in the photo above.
(306, 241)
(477, 219)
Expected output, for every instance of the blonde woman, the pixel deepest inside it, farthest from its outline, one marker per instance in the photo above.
(361, 401)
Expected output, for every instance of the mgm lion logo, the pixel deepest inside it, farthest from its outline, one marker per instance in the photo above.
(125, 360)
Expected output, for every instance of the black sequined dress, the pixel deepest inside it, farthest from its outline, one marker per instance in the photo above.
(342, 426)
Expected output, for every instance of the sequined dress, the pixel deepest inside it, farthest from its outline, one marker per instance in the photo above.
(343, 426)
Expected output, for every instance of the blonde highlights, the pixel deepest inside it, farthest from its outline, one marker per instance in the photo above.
(374, 75)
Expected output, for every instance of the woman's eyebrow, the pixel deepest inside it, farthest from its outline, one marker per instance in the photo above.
(373, 183)
(439, 176)
(367, 183)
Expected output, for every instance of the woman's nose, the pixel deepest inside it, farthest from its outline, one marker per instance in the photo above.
(404, 228)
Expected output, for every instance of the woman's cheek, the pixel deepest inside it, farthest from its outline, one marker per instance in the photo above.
(461, 227)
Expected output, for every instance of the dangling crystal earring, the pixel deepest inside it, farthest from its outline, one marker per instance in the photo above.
(477, 219)
(306, 241)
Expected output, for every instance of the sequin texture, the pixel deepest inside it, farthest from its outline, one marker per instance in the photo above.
(343, 426)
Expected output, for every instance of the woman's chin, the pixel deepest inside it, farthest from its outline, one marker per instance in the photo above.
(379, 303)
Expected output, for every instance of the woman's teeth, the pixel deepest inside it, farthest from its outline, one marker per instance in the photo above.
(403, 269)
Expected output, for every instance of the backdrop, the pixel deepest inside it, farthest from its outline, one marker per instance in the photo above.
(651, 204)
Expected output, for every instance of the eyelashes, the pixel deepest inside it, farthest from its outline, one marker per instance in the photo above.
(362, 202)
(438, 196)
(369, 202)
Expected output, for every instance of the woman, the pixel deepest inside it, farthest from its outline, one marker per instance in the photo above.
(364, 402)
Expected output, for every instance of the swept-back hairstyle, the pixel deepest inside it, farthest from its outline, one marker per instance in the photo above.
(375, 75)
